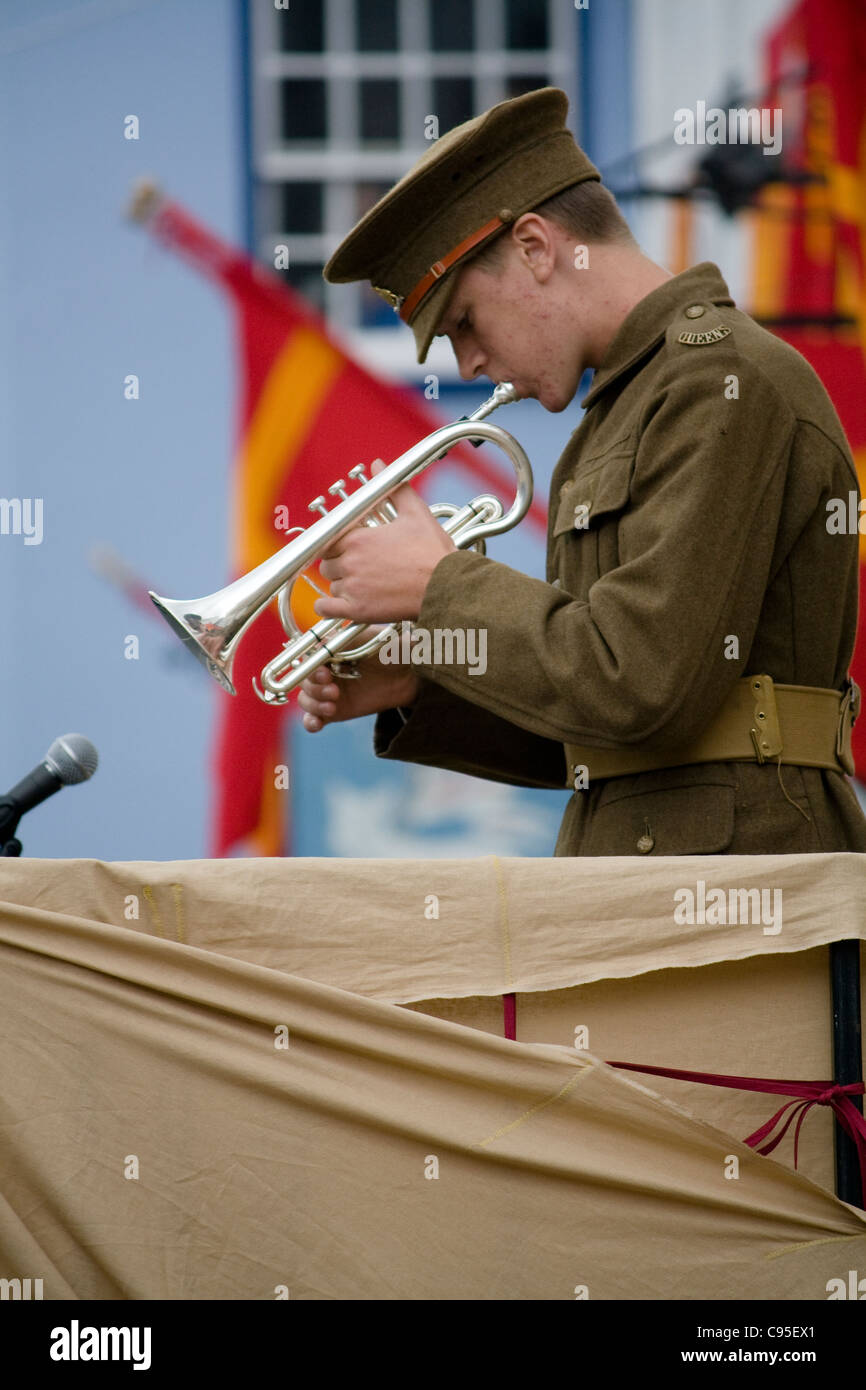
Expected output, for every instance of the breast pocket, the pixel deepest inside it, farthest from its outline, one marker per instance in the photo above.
(586, 528)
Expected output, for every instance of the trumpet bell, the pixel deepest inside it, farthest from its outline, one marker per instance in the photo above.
(202, 628)
(211, 627)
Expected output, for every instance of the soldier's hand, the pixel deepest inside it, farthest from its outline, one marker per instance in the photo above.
(380, 574)
(327, 700)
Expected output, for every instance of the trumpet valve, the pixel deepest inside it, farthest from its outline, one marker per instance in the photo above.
(318, 505)
(358, 473)
(339, 487)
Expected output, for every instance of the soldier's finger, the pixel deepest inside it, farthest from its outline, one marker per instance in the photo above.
(321, 712)
(404, 498)
(323, 675)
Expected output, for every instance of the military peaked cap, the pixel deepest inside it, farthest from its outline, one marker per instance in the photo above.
(472, 182)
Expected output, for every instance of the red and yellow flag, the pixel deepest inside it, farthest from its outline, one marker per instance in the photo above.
(810, 237)
(308, 414)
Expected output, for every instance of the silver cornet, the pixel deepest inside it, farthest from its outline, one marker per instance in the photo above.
(212, 627)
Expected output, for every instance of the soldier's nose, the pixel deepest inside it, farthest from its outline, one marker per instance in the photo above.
(470, 368)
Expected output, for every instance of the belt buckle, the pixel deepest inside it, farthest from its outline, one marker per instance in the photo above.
(765, 733)
(849, 710)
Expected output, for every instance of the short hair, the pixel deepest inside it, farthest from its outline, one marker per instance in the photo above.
(587, 210)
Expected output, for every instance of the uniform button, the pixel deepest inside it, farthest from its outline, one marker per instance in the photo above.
(645, 844)
(695, 311)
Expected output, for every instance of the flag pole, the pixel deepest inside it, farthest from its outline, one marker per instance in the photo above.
(146, 198)
(847, 1059)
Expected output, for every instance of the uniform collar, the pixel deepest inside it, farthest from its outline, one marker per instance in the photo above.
(646, 324)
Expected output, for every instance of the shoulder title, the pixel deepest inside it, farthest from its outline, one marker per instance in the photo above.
(709, 335)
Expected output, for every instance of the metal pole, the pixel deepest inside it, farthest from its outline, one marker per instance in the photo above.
(847, 1058)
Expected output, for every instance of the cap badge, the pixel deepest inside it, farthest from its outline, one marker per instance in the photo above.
(395, 300)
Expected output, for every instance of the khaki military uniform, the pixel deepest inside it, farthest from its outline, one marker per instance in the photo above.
(687, 548)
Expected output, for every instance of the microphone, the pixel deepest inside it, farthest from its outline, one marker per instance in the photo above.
(71, 758)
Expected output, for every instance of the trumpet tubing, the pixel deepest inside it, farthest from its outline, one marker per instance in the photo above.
(213, 626)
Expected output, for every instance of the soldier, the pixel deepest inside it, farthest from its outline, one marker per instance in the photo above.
(685, 667)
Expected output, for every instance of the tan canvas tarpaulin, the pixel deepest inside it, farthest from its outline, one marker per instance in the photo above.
(221, 1097)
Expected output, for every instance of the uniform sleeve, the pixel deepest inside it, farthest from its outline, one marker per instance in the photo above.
(646, 657)
(443, 730)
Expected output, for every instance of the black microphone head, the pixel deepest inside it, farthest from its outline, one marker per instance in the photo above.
(72, 758)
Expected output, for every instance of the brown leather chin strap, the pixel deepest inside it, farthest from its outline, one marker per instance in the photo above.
(438, 268)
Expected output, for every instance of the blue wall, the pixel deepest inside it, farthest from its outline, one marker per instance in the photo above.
(89, 298)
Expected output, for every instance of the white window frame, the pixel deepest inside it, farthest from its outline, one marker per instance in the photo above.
(339, 164)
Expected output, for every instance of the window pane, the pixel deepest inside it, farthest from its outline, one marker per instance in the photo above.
(451, 25)
(526, 23)
(452, 101)
(307, 280)
(380, 109)
(302, 109)
(518, 83)
(301, 205)
(301, 28)
(376, 26)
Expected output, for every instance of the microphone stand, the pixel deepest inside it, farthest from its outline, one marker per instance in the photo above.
(10, 845)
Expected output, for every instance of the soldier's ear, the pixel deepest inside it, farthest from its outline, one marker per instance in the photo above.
(536, 241)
